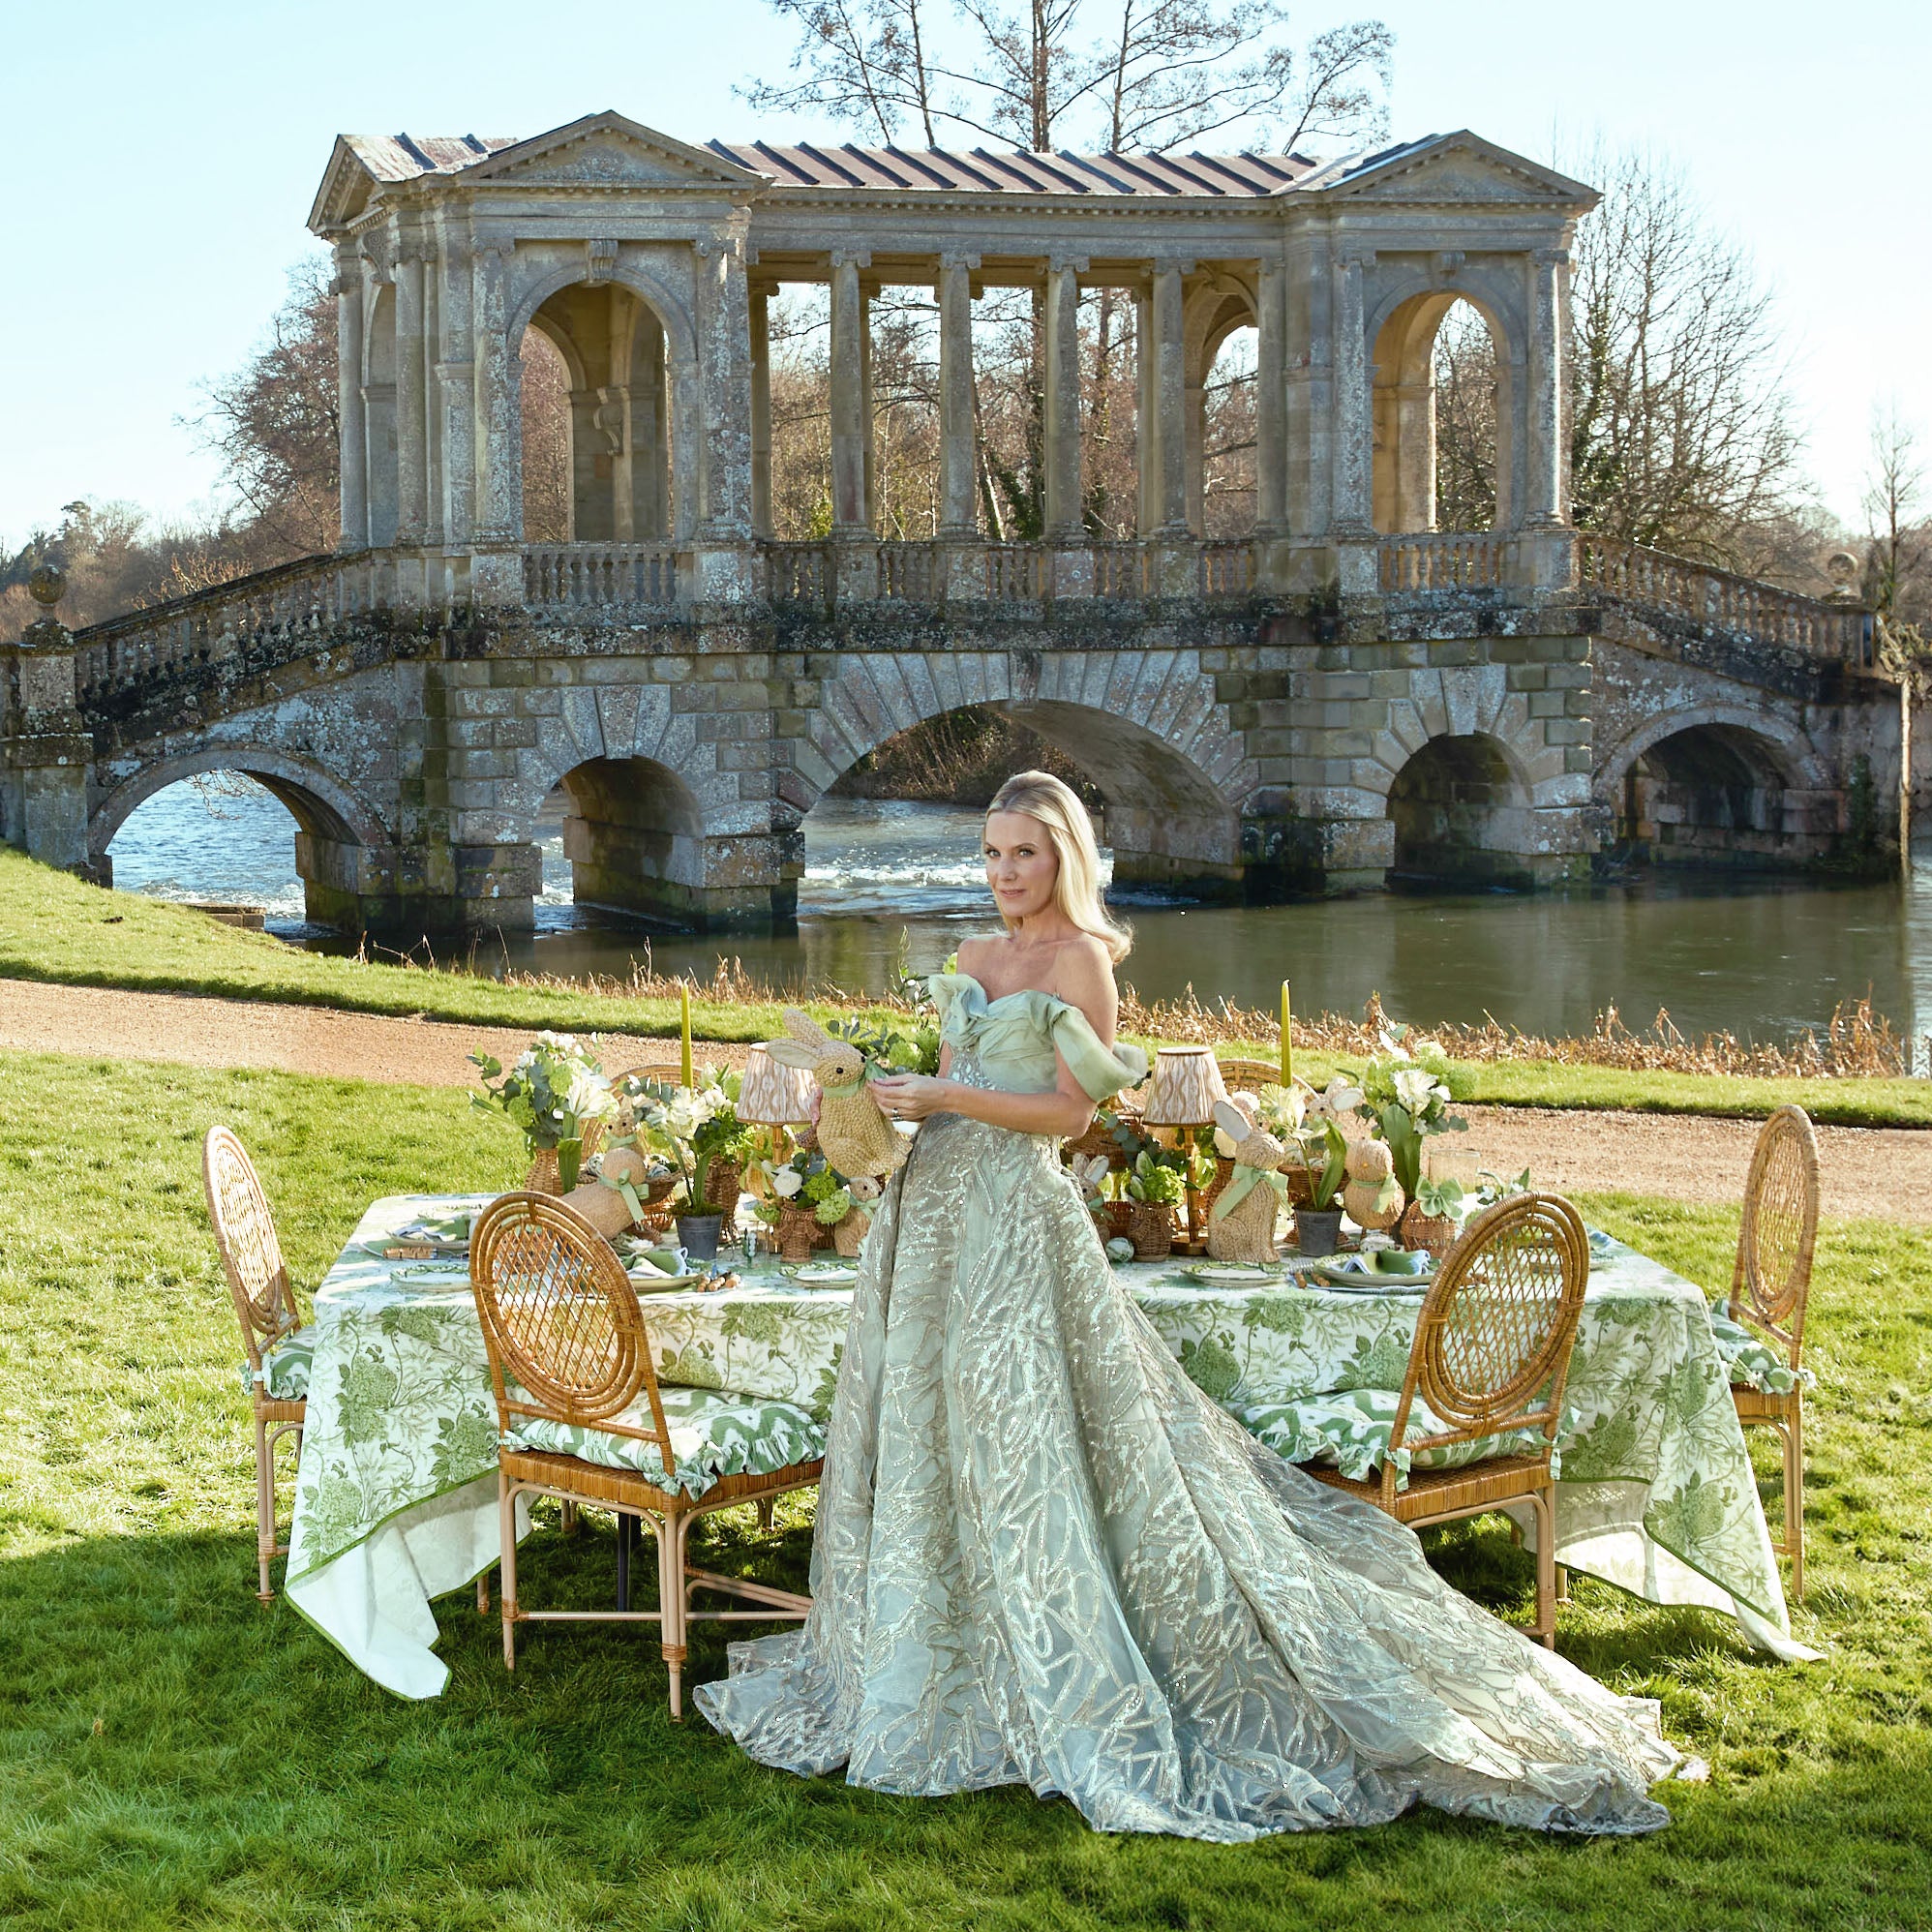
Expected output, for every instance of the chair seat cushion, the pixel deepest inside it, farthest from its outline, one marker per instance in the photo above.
(284, 1375)
(1750, 1361)
(1349, 1429)
(713, 1435)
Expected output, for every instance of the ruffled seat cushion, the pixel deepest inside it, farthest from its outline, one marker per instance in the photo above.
(713, 1435)
(284, 1366)
(1349, 1428)
(1751, 1362)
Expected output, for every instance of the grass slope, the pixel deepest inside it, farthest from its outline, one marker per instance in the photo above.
(173, 1755)
(56, 927)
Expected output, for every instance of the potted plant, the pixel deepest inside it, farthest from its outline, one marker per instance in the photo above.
(1324, 1151)
(1405, 1099)
(808, 1203)
(693, 1129)
(557, 1095)
(1155, 1185)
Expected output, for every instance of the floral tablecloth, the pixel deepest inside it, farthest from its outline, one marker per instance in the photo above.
(396, 1499)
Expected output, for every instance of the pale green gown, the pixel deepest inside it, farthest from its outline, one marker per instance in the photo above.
(1045, 1557)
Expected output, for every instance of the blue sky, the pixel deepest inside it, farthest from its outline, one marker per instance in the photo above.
(158, 164)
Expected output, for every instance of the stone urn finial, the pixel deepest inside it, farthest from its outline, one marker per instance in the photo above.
(46, 585)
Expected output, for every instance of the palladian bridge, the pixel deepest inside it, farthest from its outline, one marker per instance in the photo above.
(1347, 697)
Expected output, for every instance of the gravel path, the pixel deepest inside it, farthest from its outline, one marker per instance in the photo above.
(1880, 1171)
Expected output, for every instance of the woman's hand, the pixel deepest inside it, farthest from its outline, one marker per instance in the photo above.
(913, 1095)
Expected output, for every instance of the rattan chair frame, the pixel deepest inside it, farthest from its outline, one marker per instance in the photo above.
(1489, 1359)
(264, 1302)
(561, 1320)
(1770, 1286)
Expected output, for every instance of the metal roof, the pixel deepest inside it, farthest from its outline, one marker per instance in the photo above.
(976, 170)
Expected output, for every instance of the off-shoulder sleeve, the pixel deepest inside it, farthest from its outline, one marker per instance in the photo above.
(956, 996)
(1101, 1070)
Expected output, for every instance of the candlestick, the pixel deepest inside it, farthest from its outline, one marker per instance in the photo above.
(1288, 1050)
(684, 1003)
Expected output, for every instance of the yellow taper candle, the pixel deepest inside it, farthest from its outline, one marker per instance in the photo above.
(1287, 1051)
(685, 1060)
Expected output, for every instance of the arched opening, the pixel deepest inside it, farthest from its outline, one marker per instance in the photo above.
(632, 834)
(1710, 794)
(218, 837)
(1442, 417)
(1459, 816)
(1222, 467)
(379, 418)
(597, 424)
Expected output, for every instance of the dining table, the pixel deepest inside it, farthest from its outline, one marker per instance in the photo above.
(396, 1493)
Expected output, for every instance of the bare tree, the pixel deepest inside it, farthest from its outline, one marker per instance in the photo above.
(275, 426)
(1898, 583)
(1683, 435)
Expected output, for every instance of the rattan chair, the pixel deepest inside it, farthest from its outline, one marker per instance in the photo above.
(1770, 1286)
(1491, 1356)
(265, 1304)
(567, 1343)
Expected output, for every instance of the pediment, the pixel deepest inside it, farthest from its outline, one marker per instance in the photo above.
(1459, 169)
(608, 151)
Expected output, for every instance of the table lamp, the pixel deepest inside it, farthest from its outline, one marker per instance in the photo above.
(1186, 1084)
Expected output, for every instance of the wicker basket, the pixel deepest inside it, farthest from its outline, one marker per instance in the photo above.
(1432, 1233)
(542, 1178)
(1224, 1173)
(724, 1183)
(1116, 1218)
(1151, 1229)
(800, 1231)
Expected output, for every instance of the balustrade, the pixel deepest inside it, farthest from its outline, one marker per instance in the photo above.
(1444, 561)
(596, 576)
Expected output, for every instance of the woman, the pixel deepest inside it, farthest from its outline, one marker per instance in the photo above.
(1043, 1557)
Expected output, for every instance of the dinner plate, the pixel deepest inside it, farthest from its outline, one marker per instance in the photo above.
(1232, 1273)
(661, 1285)
(822, 1275)
(1360, 1281)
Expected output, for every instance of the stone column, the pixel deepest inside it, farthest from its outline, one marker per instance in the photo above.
(724, 351)
(1146, 416)
(760, 415)
(1271, 365)
(1170, 377)
(499, 430)
(867, 416)
(412, 399)
(1354, 431)
(848, 388)
(1543, 507)
(1063, 517)
(455, 390)
(958, 511)
(352, 442)
(434, 453)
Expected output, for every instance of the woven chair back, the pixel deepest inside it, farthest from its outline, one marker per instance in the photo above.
(1772, 1277)
(1493, 1344)
(245, 1235)
(1249, 1077)
(560, 1321)
(666, 1072)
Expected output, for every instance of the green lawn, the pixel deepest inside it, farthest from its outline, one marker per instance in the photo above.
(172, 1753)
(55, 927)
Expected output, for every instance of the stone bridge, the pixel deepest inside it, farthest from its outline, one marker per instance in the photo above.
(1344, 699)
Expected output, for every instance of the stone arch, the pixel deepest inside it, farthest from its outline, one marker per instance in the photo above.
(1215, 312)
(1460, 812)
(1143, 724)
(634, 835)
(1712, 786)
(1402, 333)
(650, 490)
(322, 806)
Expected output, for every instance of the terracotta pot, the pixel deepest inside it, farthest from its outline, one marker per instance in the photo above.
(1151, 1229)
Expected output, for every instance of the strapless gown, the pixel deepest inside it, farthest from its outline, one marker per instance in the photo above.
(1043, 1557)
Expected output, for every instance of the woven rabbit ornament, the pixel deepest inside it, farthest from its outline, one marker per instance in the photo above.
(1372, 1196)
(857, 1137)
(1241, 1223)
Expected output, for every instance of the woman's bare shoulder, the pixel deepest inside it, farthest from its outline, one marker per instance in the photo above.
(973, 954)
(1083, 977)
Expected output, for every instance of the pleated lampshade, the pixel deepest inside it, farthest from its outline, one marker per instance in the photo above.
(771, 1095)
(1186, 1082)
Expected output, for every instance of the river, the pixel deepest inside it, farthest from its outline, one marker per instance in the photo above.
(1759, 957)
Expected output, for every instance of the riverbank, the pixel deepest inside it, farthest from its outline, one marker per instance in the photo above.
(1871, 1171)
(57, 930)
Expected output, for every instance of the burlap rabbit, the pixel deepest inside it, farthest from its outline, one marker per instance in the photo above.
(856, 1137)
(1372, 1196)
(1241, 1223)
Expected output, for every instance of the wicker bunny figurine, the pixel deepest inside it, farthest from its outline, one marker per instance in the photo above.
(857, 1137)
(1241, 1223)
(1372, 1196)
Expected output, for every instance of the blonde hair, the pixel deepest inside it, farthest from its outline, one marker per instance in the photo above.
(1076, 889)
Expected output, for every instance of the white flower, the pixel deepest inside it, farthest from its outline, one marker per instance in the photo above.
(786, 1182)
(1415, 1088)
(589, 1095)
(1224, 1143)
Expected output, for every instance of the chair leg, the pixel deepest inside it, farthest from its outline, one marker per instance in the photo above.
(765, 1508)
(1794, 1434)
(567, 1519)
(1562, 1583)
(1546, 1569)
(671, 1605)
(264, 1510)
(506, 1524)
(483, 1594)
(623, 1559)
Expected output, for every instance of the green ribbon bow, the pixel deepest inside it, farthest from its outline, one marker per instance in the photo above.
(1243, 1182)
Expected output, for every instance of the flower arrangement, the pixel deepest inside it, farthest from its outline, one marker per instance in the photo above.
(806, 1182)
(553, 1092)
(1156, 1179)
(1324, 1148)
(689, 1127)
(1404, 1099)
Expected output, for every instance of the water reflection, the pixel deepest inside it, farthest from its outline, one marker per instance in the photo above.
(1760, 957)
